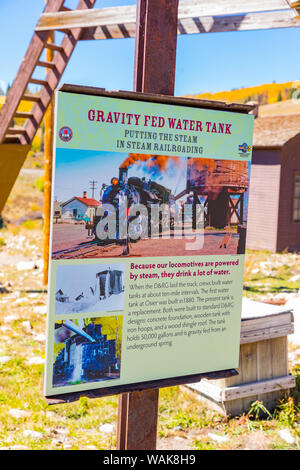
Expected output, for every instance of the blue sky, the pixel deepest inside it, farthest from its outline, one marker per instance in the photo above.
(75, 167)
(208, 62)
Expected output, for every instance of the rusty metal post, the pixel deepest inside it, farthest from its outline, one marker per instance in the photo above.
(156, 44)
(48, 154)
(154, 72)
(137, 420)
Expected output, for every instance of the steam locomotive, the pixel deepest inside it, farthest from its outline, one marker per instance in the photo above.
(87, 356)
(136, 191)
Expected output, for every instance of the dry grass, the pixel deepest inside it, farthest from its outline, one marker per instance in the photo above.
(281, 107)
(271, 276)
(25, 201)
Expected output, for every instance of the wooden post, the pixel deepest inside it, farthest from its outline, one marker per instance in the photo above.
(242, 208)
(155, 59)
(48, 154)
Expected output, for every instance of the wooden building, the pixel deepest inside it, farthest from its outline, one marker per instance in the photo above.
(274, 201)
(79, 207)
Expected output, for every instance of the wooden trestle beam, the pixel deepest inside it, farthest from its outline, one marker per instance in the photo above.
(194, 17)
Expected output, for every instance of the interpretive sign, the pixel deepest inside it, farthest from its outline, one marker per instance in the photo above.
(149, 218)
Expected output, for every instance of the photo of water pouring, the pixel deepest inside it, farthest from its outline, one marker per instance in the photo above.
(87, 350)
(147, 205)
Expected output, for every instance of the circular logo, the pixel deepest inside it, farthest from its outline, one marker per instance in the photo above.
(65, 133)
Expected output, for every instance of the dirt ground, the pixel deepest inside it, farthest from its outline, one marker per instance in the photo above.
(66, 236)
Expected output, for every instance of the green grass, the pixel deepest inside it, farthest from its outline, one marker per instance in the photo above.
(267, 273)
(40, 183)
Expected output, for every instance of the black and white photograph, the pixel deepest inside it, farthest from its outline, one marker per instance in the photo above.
(89, 288)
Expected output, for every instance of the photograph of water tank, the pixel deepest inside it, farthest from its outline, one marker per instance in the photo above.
(89, 288)
(87, 350)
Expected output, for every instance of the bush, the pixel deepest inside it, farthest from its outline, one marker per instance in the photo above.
(29, 224)
(40, 184)
(35, 208)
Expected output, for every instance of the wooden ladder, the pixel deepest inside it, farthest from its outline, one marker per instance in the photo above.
(54, 70)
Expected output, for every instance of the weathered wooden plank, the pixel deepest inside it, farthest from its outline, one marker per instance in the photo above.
(85, 19)
(250, 390)
(23, 115)
(271, 320)
(38, 81)
(53, 47)
(16, 131)
(279, 355)
(264, 367)
(34, 98)
(267, 327)
(44, 63)
(127, 14)
(248, 368)
(207, 24)
(234, 406)
(190, 8)
(242, 22)
(267, 333)
(108, 32)
(209, 389)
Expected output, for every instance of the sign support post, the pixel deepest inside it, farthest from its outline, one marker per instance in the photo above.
(48, 159)
(154, 72)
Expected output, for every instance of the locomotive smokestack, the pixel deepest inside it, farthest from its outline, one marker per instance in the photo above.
(123, 174)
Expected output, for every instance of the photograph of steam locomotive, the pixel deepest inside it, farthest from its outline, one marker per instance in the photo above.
(148, 205)
(87, 350)
(89, 288)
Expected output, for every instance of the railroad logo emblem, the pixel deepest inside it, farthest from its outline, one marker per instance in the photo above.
(65, 133)
(244, 148)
